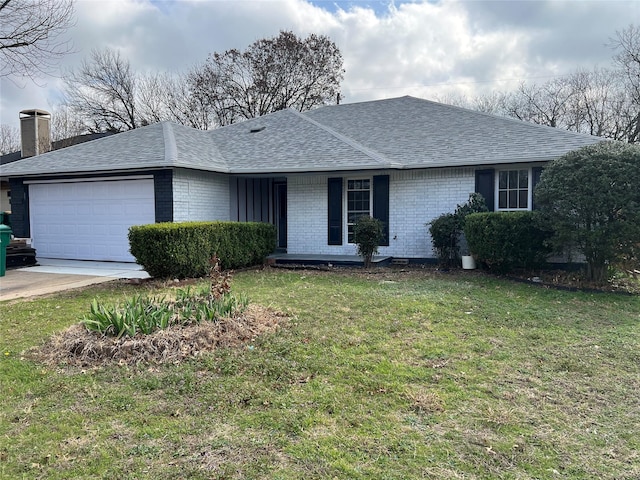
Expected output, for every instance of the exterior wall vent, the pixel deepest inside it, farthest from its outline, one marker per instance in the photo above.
(35, 132)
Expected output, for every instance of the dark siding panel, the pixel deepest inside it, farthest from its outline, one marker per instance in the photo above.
(265, 187)
(485, 186)
(335, 211)
(257, 200)
(249, 202)
(536, 172)
(381, 204)
(242, 200)
(163, 189)
(19, 208)
(250, 199)
(233, 199)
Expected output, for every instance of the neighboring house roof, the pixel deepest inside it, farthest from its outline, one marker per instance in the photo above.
(56, 145)
(400, 133)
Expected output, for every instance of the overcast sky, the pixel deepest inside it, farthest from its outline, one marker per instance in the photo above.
(428, 49)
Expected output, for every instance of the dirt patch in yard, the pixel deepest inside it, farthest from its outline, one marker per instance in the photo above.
(76, 346)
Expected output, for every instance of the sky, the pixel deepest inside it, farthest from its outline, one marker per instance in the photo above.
(428, 49)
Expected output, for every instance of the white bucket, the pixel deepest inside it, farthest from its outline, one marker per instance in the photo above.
(468, 262)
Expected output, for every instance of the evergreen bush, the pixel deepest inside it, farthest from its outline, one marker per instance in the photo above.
(368, 234)
(504, 241)
(181, 250)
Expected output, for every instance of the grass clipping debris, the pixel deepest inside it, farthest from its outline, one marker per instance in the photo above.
(76, 346)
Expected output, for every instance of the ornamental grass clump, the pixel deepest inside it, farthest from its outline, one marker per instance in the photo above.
(146, 314)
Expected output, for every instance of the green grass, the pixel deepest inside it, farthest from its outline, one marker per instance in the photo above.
(384, 376)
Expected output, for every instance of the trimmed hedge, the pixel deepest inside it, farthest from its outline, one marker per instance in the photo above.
(504, 241)
(182, 250)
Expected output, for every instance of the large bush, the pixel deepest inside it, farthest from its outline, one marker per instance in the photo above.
(507, 240)
(591, 198)
(185, 249)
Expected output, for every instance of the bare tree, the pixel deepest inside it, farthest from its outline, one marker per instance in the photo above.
(544, 104)
(627, 59)
(65, 125)
(597, 102)
(32, 35)
(272, 74)
(169, 97)
(492, 102)
(103, 92)
(9, 139)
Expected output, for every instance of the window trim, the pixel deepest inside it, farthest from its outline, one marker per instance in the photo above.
(496, 189)
(346, 202)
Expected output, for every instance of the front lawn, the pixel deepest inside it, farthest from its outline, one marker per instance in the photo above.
(392, 375)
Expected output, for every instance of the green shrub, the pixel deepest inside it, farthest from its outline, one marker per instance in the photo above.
(185, 249)
(367, 234)
(507, 240)
(447, 229)
(591, 198)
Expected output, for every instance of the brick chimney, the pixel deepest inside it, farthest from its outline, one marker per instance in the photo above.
(35, 132)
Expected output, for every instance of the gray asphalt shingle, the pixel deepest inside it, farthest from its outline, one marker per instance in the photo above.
(403, 132)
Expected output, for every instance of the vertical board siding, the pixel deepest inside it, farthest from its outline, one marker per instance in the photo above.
(251, 199)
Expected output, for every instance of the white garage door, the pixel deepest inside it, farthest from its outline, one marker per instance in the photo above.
(88, 220)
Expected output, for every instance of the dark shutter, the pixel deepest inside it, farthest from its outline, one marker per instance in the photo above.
(163, 190)
(335, 211)
(381, 204)
(536, 172)
(485, 187)
(20, 224)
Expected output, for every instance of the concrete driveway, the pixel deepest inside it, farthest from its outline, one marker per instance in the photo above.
(52, 275)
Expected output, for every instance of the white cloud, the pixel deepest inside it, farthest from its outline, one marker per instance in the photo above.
(425, 49)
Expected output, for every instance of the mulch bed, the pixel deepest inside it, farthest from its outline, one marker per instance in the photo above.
(76, 346)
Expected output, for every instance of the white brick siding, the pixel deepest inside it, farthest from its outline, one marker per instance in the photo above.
(415, 198)
(200, 196)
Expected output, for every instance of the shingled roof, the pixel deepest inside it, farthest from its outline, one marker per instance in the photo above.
(398, 133)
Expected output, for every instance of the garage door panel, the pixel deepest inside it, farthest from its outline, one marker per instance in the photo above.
(89, 220)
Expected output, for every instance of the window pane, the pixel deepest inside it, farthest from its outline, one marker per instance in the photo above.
(502, 199)
(524, 199)
(513, 199)
(524, 179)
(502, 180)
(513, 179)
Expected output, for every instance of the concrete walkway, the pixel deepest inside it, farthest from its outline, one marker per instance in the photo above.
(53, 275)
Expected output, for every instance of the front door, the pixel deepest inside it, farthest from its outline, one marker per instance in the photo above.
(280, 207)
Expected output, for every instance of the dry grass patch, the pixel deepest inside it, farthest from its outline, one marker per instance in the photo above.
(76, 346)
(425, 402)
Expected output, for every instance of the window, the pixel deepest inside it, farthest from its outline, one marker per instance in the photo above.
(358, 203)
(513, 189)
